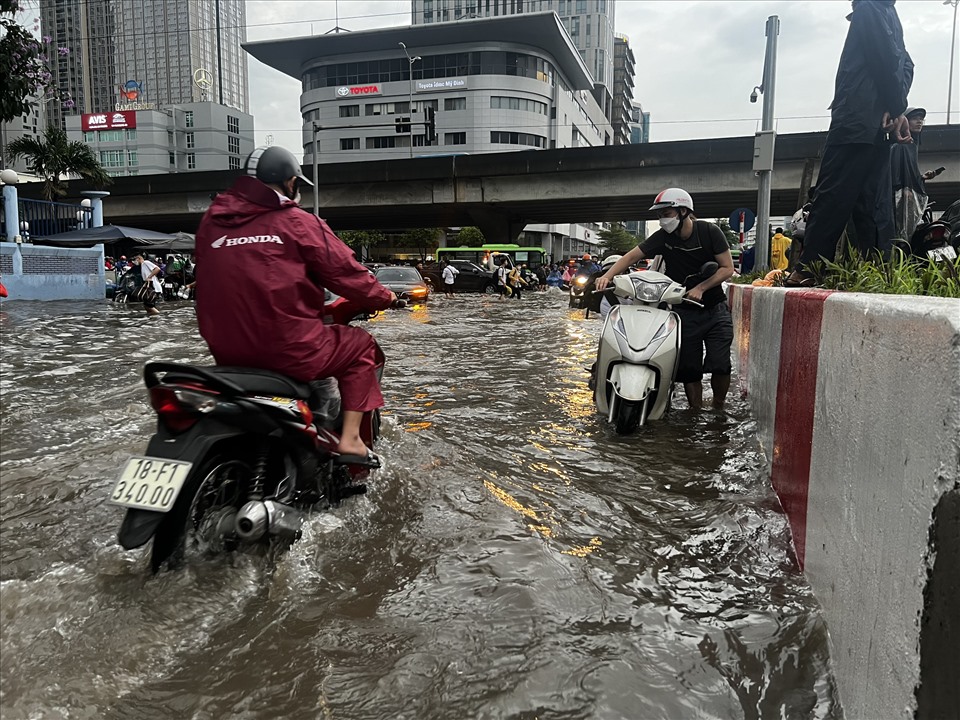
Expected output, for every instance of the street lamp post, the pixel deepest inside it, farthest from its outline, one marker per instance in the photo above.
(953, 42)
(411, 60)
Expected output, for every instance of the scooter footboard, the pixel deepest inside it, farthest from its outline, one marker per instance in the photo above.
(632, 382)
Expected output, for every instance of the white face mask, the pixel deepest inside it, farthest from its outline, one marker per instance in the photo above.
(669, 224)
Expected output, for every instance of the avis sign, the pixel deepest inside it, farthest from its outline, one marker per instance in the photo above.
(117, 120)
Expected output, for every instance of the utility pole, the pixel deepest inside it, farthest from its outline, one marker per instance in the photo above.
(953, 43)
(316, 168)
(763, 149)
(412, 60)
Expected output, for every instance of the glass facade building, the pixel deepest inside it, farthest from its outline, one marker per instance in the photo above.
(145, 52)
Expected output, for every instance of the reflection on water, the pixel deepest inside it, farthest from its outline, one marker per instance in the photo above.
(514, 559)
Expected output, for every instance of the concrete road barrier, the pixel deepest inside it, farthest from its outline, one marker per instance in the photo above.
(858, 405)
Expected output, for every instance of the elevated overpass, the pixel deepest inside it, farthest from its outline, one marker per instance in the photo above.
(502, 192)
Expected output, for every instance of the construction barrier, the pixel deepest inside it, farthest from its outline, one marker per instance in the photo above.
(858, 405)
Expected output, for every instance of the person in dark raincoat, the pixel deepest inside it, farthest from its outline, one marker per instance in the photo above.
(265, 263)
(873, 79)
(909, 188)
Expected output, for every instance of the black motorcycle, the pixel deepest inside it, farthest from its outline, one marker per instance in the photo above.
(937, 240)
(240, 456)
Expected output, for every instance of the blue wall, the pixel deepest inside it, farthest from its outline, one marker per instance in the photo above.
(36, 272)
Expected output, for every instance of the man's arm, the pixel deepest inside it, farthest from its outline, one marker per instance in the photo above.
(630, 258)
(723, 273)
(330, 260)
(886, 60)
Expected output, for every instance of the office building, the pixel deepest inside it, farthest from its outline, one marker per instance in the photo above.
(189, 137)
(30, 125)
(624, 74)
(527, 89)
(495, 85)
(639, 125)
(588, 22)
(145, 54)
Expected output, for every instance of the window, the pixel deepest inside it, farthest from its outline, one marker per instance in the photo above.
(349, 111)
(188, 118)
(378, 143)
(132, 134)
(517, 138)
(233, 145)
(89, 136)
(173, 159)
(111, 158)
(581, 6)
(457, 138)
(111, 136)
(387, 108)
(514, 103)
(191, 161)
(234, 163)
(132, 157)
(233, 124)
(189, 140)
(459, 103)
(349, 143)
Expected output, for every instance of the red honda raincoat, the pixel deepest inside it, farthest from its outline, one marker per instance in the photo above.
(262, 266)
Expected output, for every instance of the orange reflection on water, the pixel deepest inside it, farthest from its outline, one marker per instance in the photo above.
(584, 550)
(509, 500)
(417, 426)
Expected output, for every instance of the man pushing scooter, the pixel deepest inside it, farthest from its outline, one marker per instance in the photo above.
(686, 244)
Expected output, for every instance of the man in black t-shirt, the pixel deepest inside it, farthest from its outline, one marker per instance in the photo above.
(686, 244)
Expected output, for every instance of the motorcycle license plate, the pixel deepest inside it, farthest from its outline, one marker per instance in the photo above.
(942, 253)
(149, 483)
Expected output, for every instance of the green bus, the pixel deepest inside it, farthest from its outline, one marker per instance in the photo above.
(485, 255)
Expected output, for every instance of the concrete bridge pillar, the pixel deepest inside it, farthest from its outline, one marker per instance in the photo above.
(498, 227)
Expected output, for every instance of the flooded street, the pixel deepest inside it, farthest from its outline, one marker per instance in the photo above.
(514, 559)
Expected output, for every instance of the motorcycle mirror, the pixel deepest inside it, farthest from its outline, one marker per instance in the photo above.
(708, 269)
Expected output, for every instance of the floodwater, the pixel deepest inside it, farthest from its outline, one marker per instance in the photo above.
(514, 559)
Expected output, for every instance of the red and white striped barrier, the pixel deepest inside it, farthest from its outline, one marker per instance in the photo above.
(858, 405)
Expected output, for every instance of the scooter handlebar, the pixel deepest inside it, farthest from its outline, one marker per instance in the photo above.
(693, 302)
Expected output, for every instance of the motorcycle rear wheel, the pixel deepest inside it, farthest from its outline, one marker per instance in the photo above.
(209, 496)
(628, 416)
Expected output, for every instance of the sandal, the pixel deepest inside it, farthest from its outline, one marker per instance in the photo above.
(369, 460)
(800, 279)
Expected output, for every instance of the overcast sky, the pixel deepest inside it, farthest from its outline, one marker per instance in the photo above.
(696, 61)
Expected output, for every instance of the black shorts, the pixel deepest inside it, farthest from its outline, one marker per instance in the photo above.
(711, 329)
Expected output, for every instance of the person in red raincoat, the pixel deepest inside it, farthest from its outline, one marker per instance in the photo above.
(263, 265)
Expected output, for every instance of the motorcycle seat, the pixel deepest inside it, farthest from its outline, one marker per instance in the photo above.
(263, 382)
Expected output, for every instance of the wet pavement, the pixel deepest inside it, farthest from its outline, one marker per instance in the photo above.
(515, 558)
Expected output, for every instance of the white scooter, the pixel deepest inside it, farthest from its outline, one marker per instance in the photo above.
(639, 349)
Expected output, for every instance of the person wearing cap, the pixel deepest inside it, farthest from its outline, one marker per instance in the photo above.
(265, 264)
(867, 113)
(686, 244)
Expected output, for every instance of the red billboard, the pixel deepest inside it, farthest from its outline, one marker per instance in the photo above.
(113, 120)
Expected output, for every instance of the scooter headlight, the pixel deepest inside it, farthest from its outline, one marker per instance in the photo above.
(648, 291)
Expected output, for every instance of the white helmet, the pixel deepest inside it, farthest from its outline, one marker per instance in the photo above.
(673, 198)
(610, 261)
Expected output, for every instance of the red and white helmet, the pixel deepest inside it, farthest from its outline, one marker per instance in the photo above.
(673, 198)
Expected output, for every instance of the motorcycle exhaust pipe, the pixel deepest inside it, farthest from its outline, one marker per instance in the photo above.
(258, 518)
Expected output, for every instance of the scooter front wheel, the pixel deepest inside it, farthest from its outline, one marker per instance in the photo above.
(628, 415)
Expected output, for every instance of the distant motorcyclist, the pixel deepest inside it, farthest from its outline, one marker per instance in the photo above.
(686, 243)
(265, 265)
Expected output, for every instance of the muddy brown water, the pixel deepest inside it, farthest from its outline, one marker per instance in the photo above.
(515, 558)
